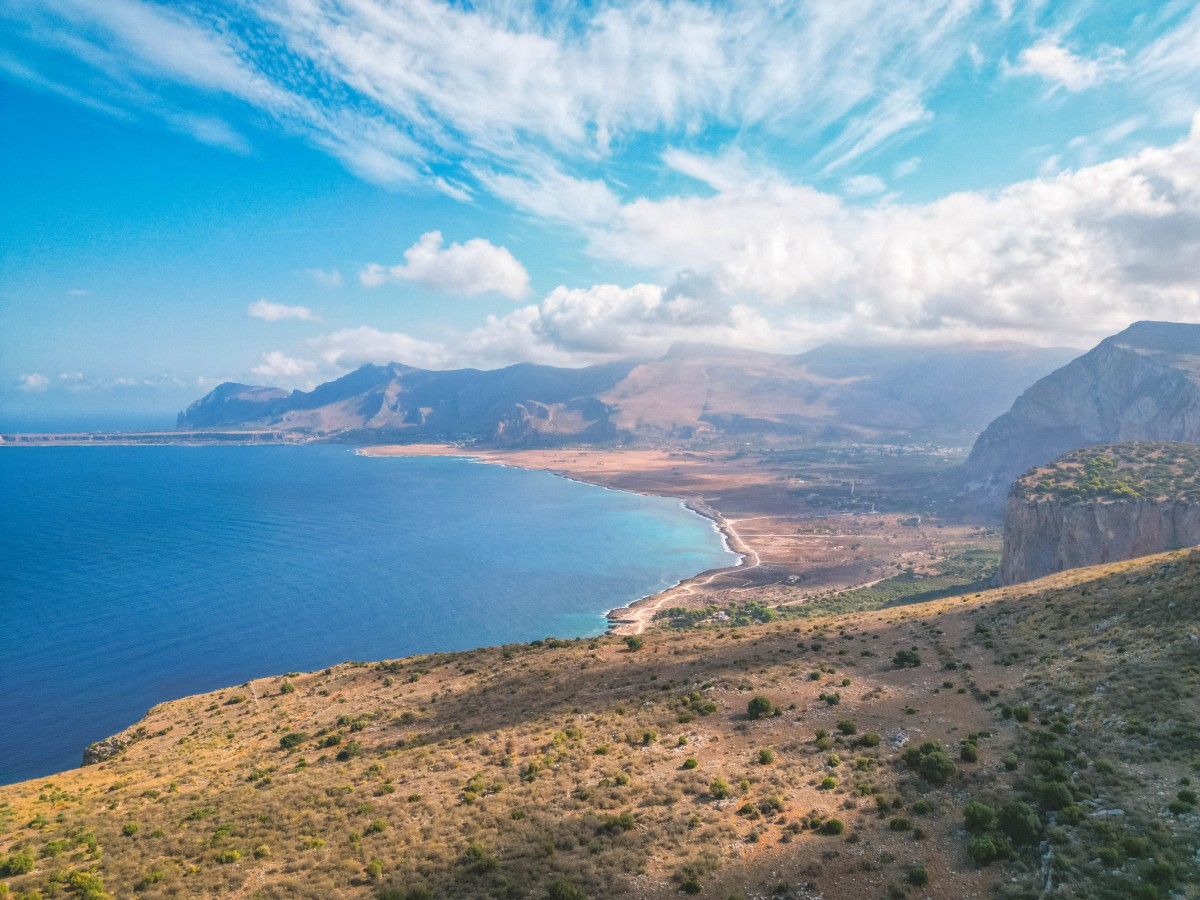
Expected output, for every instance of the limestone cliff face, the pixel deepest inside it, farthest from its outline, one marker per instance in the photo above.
(1046, 536)
(1142, 384)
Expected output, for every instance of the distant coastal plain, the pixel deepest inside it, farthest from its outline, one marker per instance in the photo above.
(135, 575)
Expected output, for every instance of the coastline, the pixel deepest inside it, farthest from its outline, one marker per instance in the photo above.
(635, 617)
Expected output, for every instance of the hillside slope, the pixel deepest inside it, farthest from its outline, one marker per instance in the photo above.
(1140, 385)
(1062, 716)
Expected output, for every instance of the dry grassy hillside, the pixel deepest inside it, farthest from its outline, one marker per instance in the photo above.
(1059, 720)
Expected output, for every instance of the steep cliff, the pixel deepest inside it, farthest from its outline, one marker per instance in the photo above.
(1100, 505)
(1140, 385)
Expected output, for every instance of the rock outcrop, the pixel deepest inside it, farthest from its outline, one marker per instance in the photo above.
(1140, 385)
(102, 751)
(1101, 505)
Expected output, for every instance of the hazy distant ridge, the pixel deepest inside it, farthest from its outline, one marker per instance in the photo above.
(695, 393)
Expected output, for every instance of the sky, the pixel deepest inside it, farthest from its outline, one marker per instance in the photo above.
(277, 191)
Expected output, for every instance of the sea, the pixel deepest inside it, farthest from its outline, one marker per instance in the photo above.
(134, 575)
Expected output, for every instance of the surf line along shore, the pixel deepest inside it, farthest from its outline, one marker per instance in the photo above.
(638, 472)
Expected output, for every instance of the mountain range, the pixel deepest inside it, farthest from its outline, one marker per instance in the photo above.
(694, 394)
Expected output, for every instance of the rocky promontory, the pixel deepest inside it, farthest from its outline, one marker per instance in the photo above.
(1099, 505)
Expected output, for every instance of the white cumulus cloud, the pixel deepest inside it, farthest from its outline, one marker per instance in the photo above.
(1057, 259)
(474, 267)
(274, 312)
(277, 365)
(352, 347)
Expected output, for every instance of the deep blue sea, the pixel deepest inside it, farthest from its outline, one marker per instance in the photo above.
(134, 575)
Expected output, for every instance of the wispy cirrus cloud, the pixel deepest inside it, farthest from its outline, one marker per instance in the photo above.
(398, 91)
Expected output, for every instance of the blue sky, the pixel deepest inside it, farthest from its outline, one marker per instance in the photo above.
(278, 191)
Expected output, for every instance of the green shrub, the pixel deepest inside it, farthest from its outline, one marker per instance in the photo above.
(969, 752)
(129, 829)
(870, 739)
(984, 850)
(917, 875)
(18, 864)
(1159, 873)
(262, 851)
(766, 756)
(350, 751)
(828, 784)
(1019, 822)
(617, 824)
(377, 826)
(86, 886)
(833, 826)
(225, 857)
(690, 763)
(978, 817)
(900, 824)
(932, 762)
(719, 789)
(847, 726)
(1136, 847)
(292, 740)
(634, 643)
(565, 890)
(287, 688)
(1054, 795)
(758, 707)
(906, 659)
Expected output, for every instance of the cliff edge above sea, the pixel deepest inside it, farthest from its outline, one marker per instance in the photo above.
(1099, 505)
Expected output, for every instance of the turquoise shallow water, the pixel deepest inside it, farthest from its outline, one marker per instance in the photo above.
(133, 575)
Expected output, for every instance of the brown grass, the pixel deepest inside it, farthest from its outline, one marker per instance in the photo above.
(499, 771)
